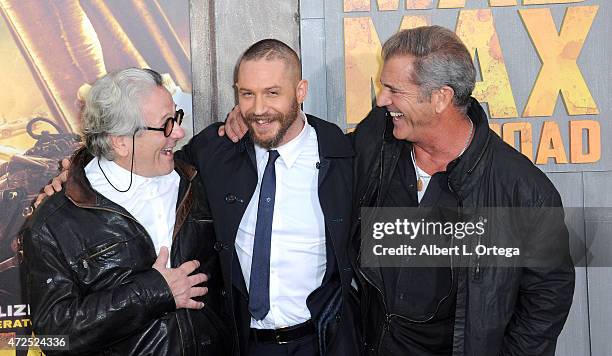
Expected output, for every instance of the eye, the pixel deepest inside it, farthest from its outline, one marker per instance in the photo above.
(246, 94)
(273, 93)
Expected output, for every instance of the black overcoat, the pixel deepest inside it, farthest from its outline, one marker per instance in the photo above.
(228, 171)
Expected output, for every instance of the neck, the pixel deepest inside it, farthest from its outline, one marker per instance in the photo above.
(444, 143)
(124, 162)
(294, 130)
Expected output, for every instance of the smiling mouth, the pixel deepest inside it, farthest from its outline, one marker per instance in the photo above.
(262, 124)
(396, 115)
(263, 121)
(167, 151)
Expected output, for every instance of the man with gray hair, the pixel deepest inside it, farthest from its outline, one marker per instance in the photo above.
(428, 144)
(116, 261)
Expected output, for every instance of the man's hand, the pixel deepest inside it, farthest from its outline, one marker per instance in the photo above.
(181, 283)
(234, 127)
(55, 185)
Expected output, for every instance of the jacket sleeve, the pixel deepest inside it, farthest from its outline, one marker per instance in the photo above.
(93, 319)
(187, 153)
(546, 286)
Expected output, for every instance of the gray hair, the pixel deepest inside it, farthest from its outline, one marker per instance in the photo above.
(113, 108)
(440, 59)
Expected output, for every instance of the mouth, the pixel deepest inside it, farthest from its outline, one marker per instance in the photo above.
(262, 124)
(396, 115)
(167, 151)
(262, 121)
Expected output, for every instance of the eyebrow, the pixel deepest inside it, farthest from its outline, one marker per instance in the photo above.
(275, 87)
(166, 116)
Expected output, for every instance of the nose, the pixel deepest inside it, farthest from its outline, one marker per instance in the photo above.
(383, 98)
(260, 107)
(177, 132)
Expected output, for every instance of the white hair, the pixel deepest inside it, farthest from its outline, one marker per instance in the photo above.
(113, 107)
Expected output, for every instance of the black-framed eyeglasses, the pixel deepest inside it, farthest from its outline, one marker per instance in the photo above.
(169, 123)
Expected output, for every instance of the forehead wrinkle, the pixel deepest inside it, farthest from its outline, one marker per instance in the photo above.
(401, 77)
(291, 67)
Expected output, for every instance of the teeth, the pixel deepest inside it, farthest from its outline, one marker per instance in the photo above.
(396, 114)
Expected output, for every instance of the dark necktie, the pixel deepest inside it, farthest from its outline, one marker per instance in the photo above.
(259, 285)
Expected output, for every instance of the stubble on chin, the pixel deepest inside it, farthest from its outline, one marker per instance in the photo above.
(285, 121)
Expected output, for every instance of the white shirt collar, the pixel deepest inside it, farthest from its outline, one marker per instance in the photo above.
(290, 151)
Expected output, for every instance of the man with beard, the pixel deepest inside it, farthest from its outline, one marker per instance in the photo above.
(281, 200)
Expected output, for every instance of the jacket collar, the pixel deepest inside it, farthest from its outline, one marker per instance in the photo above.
(79, 190)
(462, 169)
(327, 136)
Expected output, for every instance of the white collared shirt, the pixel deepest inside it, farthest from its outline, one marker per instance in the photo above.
(151, 201)
(297, 256)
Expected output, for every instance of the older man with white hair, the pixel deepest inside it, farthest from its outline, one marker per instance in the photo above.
(118, 262)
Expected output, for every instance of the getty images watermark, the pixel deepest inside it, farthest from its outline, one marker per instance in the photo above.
(443, 237)
(424, 229)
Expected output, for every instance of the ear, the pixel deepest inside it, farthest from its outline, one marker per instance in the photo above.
(442, 99)
(121, 145)
(301, 91)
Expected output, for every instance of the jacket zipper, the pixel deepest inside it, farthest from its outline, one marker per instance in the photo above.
(85, 264)
(387, 322)
(477, 270)
(178, 324)
(385, 329)
(388, 317)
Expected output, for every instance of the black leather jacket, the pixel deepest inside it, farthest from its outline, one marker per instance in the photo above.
(90, 276)
(499, 311)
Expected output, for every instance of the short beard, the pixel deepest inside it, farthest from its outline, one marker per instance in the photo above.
(285, 119)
